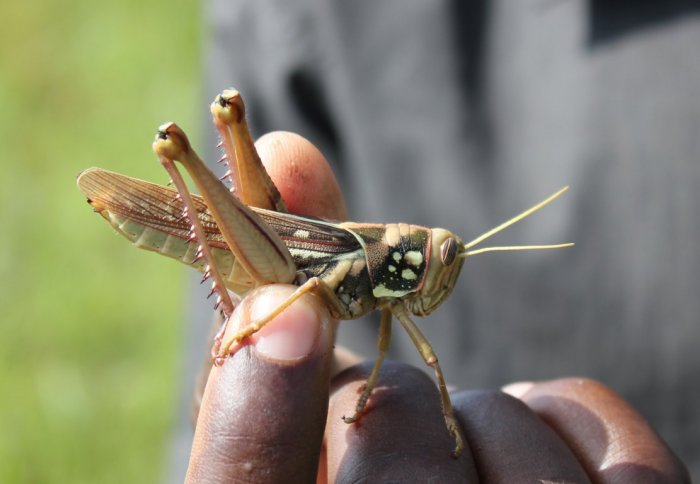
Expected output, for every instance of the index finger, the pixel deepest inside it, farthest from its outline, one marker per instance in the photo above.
(302, 175)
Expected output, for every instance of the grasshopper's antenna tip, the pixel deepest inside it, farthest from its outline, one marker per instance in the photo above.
(469, 253)
(465, 252)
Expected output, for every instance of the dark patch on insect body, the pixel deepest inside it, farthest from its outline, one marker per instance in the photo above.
(346, 275)
(330, 252)
(355, 290)
(397, 256)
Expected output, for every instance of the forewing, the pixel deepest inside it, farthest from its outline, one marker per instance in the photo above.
(311, 234)
(150, 216)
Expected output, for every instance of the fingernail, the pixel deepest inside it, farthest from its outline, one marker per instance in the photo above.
(291, 335)
(518, 389)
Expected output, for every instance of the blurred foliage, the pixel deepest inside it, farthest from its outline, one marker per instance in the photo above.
(90, 326)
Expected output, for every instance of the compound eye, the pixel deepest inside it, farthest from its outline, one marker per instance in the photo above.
(448, 251)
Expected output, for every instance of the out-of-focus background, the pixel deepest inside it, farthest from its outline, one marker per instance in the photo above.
(90, 329)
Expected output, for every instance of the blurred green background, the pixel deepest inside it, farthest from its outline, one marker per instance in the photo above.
(90, 327)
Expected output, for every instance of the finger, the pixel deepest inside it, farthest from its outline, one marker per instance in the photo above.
(308, 186)
(263, 411)
(302, 175)
(510, 443)
(613, 442)
(401, 436)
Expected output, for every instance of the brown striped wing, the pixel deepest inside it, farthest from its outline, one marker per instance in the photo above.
(150, 216)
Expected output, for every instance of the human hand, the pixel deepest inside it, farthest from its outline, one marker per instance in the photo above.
(263, 414)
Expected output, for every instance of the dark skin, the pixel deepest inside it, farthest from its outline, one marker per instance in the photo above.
(272, 412)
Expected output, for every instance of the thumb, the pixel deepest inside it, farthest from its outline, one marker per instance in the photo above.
(264, 410)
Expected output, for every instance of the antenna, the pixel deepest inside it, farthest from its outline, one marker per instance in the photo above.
(465, 249)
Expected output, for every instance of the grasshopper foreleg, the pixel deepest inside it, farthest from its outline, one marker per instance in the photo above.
(312, 286)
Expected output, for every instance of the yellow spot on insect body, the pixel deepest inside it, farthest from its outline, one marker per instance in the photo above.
(380, 290)
(356, 308)
(409, 275)
(414, 258)
(357, 266)
(391, 268)
(335, 277)
(396, 256)
(392, 235)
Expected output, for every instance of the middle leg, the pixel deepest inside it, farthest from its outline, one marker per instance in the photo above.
(382, 346)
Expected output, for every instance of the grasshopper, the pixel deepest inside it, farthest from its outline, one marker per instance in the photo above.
(249, 240)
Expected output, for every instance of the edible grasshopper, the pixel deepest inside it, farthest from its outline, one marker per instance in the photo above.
(249, 240)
